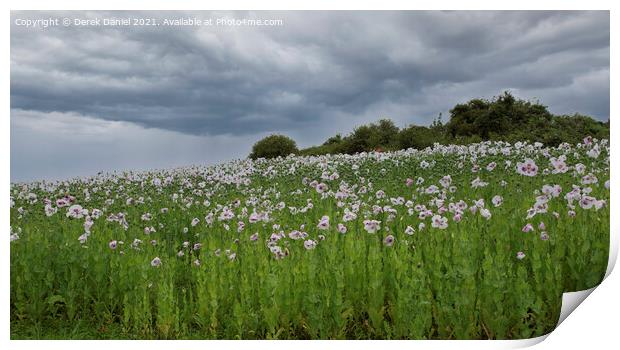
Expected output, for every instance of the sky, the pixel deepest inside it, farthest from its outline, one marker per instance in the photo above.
(90, 98)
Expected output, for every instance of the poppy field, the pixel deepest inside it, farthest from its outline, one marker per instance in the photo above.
(471, 241)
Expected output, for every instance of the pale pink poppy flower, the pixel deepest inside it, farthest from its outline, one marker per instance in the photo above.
(439, 222)
(295, 235)
(372, 226)
(409, 230)
(389, 240)
(520, 255)
(75, 211)
(83, 238)
(320, 188)
(485, 213)
(527, 168)
(50, 210)
(323, 223)
(342, 228)
(409, 182)
(156, 262)
(445, 181)
(254, 237)
(497, 200)
(527, 228)
(88, 223)
(310, 244)
(113, 244)
(586, 202)
(457, 217)
(478, 183)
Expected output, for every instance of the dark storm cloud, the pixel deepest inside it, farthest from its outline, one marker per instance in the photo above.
(319, 71)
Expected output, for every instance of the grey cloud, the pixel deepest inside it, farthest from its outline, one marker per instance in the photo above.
(318, 65)
(321, 73)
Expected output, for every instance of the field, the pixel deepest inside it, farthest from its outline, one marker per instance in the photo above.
(450, 242)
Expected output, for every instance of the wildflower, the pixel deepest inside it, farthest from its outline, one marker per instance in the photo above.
(520, 255)
(478, 183)
(409, 182)
(323, 223)
(342, 228)
(527, 168)
(197, 262)
(195, 222)
(197, 246)
(389, 241)
(310, 244)
(445, 181)
(485, 213)
(372, 226)
(497, 200)
(75, 211)
(321, 188)
(439, 222)
(544, 236)
(457, 217)
(83, 238)
(112, 244)
(541, 226)
(409, 230)
(254, 237)
(156, 262)
(180, 253)
(527, 228)
(49, 210)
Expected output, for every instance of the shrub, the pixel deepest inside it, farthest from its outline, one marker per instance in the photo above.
(273, 146)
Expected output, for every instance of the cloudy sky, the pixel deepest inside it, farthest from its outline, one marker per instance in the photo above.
(91, 98)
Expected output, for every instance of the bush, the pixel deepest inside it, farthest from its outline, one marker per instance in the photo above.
(273, 146)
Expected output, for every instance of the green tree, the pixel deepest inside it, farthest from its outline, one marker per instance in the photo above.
(273, 146)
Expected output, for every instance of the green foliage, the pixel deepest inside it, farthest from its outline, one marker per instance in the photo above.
(504, 118)
(461, 282)
(273, 146)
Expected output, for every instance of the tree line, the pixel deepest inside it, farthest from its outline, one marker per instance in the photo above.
(504, 118)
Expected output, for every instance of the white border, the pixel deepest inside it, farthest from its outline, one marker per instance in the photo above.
(594, 323)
